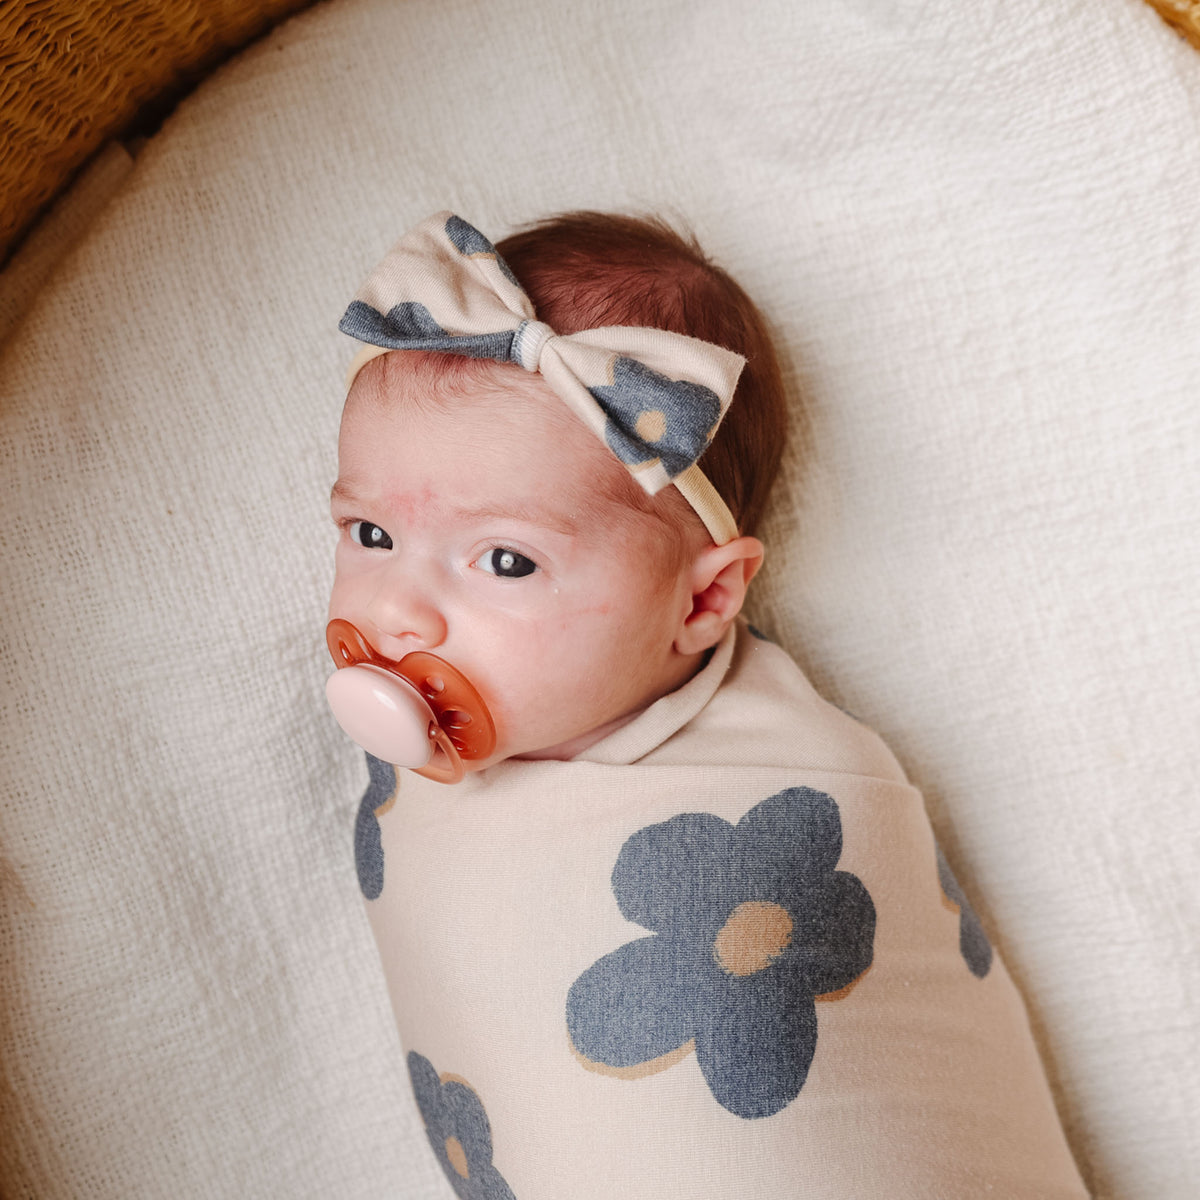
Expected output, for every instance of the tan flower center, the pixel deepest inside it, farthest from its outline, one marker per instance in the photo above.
(755, 934)
(651, 425)
(457, 1156)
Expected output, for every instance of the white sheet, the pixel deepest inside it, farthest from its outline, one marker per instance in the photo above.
(976, 236)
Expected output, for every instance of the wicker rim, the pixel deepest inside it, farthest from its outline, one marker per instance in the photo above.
(76, 73)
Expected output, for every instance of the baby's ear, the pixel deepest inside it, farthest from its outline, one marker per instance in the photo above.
(719, 576)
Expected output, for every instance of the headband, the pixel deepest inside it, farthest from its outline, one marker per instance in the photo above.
(654, 397)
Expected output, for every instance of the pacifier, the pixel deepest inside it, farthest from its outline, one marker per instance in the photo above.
(420, 713)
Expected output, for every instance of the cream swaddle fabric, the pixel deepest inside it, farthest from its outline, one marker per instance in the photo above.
(716, 955)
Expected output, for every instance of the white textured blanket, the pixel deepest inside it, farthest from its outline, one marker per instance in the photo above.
(975, 235)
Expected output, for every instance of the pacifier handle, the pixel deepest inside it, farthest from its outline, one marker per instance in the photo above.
(452, 769)
(462, 727)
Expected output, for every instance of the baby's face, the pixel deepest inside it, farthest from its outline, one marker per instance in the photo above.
(486, 528)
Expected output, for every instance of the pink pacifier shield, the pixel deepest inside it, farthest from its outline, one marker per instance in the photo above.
(420, 712)
(382, 713)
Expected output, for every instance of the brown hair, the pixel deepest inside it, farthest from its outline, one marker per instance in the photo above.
(584, 269)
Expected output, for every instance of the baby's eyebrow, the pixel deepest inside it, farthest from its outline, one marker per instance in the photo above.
(528, 514)
(543, 516)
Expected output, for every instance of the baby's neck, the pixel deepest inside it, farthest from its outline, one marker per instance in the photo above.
(568, 750)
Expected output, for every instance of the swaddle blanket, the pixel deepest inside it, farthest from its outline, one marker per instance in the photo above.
(717, 955)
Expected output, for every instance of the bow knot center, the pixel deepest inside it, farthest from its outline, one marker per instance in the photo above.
(528, 343)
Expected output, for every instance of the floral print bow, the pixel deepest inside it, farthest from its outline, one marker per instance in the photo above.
(654, 397)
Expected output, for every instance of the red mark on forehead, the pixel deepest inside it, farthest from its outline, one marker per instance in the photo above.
(411, 504)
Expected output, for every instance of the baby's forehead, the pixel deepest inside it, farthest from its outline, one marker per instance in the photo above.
(516, 413)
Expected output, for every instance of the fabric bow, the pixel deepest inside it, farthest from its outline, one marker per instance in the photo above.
(654, 397)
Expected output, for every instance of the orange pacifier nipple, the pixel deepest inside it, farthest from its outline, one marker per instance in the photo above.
(419, 713)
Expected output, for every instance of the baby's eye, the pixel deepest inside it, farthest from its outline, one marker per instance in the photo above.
(371, 536)
(507, 563)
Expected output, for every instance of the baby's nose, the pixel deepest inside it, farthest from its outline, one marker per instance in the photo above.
(404, 617)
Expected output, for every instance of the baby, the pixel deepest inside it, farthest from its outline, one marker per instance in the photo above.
(679, 928)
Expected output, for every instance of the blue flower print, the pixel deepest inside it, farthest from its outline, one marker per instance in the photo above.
(753, 924)
(972, 941)
(368, 843)
(468, 241)
(653, 417)
(458, 1131)
(409, 325)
